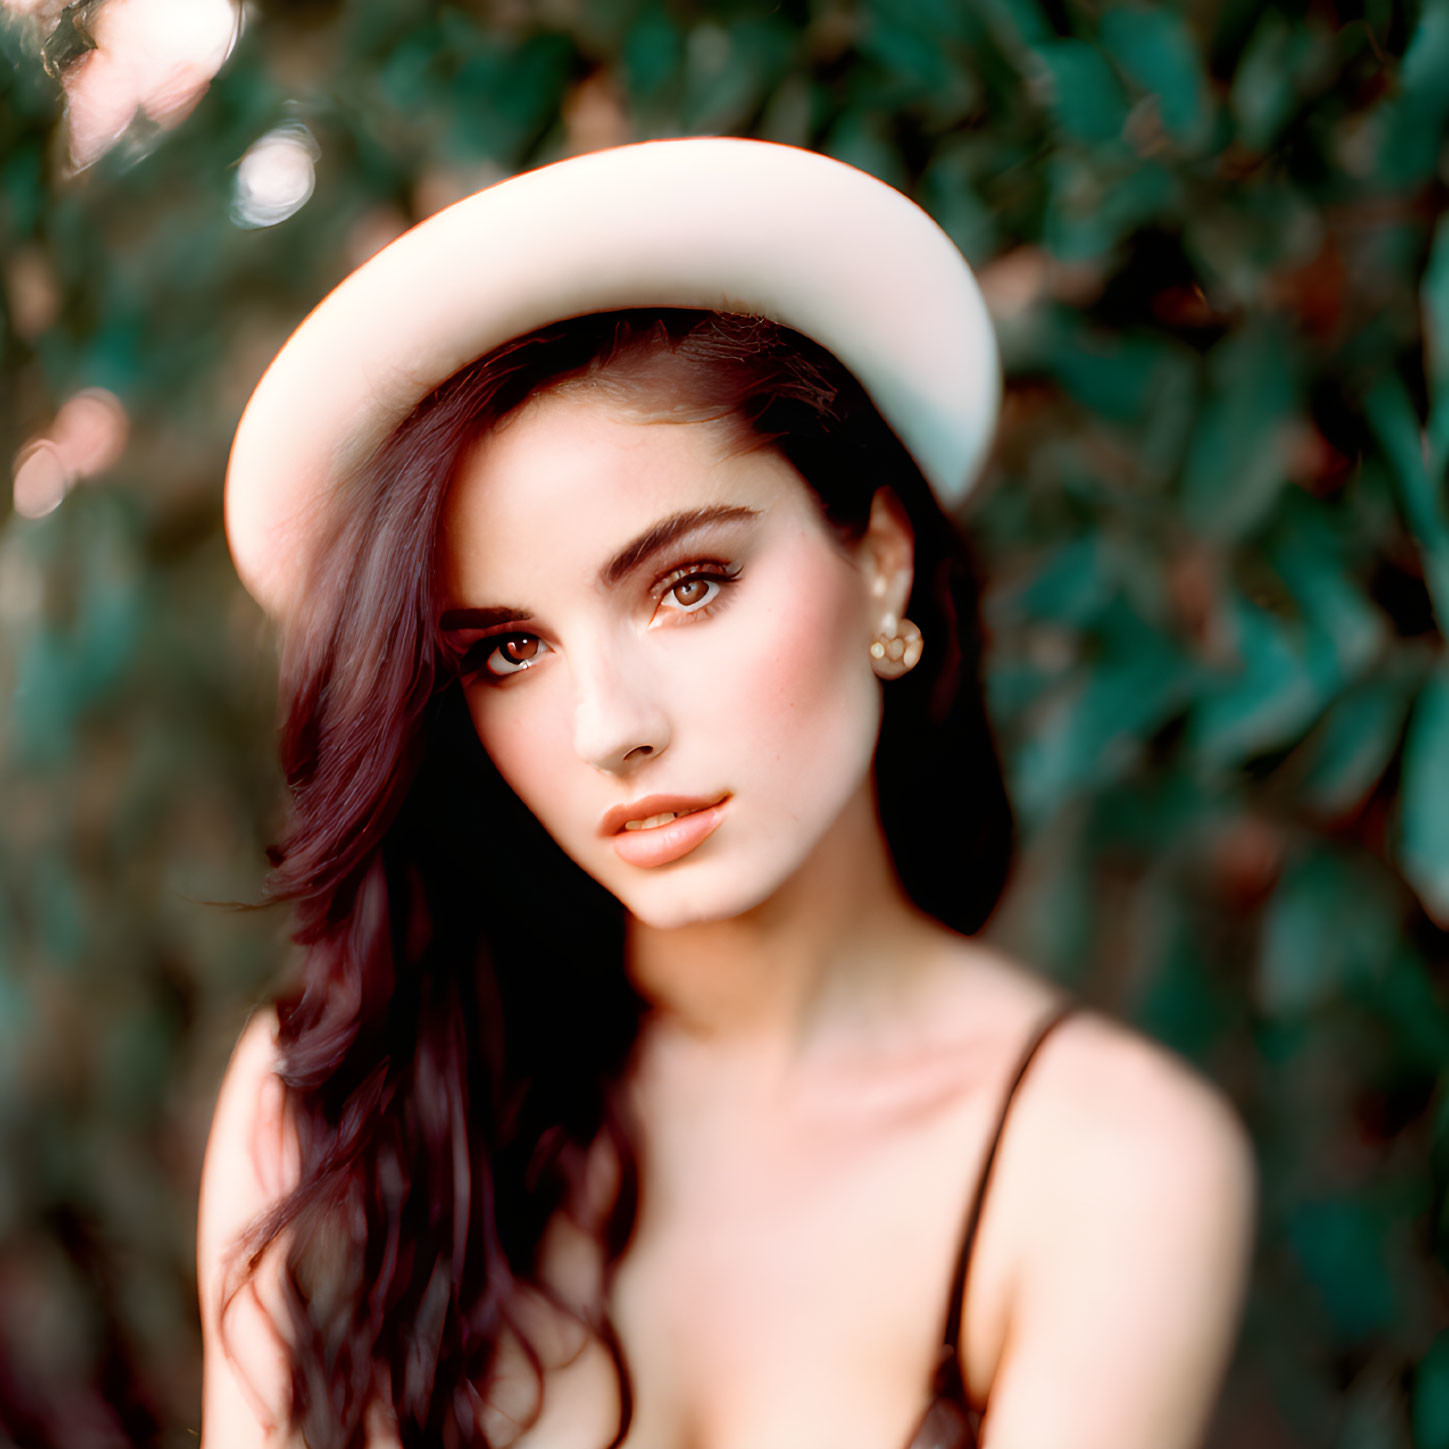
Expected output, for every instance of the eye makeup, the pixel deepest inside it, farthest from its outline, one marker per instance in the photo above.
(486, 660)
(714, 572)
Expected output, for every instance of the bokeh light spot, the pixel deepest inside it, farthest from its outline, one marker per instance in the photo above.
(275, 177)
(31, 291)
(90, 432)
(41, 479)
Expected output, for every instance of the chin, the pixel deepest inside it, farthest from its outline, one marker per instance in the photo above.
(675, 915)
(669, 904)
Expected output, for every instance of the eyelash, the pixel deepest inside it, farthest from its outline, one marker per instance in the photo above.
(474, 664)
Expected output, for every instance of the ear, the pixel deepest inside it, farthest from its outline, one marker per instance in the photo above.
(888, 556)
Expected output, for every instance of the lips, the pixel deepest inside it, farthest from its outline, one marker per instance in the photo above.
(617, 820)
(678, 836)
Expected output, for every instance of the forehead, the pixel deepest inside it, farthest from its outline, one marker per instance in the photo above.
(570, 477)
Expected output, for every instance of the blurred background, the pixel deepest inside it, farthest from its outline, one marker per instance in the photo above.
(1216, 538)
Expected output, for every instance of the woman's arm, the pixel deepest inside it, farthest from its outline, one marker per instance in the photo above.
(251, 1163)
(1133, 1270)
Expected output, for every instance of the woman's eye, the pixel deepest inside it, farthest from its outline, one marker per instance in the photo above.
(506, 654)
(696, 591)
(693, 592)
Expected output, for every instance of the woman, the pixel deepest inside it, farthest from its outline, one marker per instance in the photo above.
(643, 1079)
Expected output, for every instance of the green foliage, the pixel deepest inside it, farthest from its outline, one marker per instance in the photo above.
(1215, 539)
(1431, 1397)
(1424, 843)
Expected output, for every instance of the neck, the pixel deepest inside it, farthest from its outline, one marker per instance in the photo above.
(822, 962)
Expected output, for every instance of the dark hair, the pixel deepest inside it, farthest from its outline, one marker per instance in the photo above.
(461, 1027)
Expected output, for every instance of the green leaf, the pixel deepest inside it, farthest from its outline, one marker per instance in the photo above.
(1423, 843)
(1181, 1002)
(948, 192)
(1084, 94)
(1094, 728)
(1344, 632)
(1347, 754)
(1431, 1396)
(1269, 80)
(789, 115)
(917, 43)
(1406, 999)
(1392, 416)
(1434, 295)
(1019, 22)
(1092, 206)
(22, 186)
(1234, 464)
(1160, 811)
(930, 24)
(505, 94)
(1012, 686)
(409, 74)
(1111, 375)
(1155, 48)
(1268, 701)
(1426, 61)
(62, 671)
(653, 54)
(1412, 122)
(1341, 1244)
(42, 709)
(1329, 924)
(1071, 587)
(861, 137)
(728, 71)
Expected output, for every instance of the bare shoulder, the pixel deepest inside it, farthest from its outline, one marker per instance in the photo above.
(251, 1163)
(1112, 1100)
(1137, 1188)
(251, 1151)
(1099, 1091)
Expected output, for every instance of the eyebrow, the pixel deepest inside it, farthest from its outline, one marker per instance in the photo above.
(633, 556)
(664, 534)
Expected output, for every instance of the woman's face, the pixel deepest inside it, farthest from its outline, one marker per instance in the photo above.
(654, 621)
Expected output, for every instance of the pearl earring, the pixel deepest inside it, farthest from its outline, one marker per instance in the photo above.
(897, 648)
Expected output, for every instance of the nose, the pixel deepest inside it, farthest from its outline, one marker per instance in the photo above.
(619, 717)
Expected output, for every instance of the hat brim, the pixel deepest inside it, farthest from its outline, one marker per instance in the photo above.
(723, 223)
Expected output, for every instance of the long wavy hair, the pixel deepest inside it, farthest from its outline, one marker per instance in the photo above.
(462, 1023)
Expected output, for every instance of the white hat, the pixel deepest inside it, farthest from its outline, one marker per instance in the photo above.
(722, 223)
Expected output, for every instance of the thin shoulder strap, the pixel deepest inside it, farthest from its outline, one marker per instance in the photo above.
(951, 1334)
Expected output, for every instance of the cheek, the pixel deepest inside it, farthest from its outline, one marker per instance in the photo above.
(812, 702)
(522, 740)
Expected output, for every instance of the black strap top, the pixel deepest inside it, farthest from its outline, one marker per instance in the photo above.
(950, 1422)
